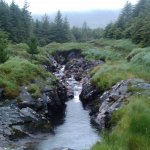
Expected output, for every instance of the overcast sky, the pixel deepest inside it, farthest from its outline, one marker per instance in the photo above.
(48, 6)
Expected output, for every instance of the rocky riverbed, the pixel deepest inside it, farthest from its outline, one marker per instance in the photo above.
(26, 116)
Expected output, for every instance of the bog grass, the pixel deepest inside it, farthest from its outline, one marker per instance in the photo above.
(132, 130)
(17, 72)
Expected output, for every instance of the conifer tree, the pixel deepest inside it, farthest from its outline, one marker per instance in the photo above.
(32, 47)
(3, 44)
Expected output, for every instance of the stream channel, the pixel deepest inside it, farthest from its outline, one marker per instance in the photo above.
(76, 132)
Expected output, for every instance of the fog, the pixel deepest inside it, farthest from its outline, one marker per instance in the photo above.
(50, 6)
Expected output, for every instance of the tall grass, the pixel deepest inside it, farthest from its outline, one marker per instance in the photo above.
(16, 72)
(132, 131)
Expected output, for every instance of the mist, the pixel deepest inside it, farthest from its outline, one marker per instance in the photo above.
(94, 18)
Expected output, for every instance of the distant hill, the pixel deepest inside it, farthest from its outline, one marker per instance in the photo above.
(94, 19)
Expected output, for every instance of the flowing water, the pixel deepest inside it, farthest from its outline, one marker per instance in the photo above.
(76, 132)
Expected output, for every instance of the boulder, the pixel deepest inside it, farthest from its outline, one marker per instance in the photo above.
(115, 98)
(89, 93)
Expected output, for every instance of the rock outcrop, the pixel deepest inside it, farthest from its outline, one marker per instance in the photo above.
(79, 68)
(20, 115)
(111, 100)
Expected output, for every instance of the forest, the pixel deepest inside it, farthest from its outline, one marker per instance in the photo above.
(100, 77)
(133, 23)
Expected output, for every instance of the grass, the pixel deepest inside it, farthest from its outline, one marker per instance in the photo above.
(121, 46)
(132, 131)
(109, 74)
(20, 50)
(34, 89)
(124, 60)
(17, 72)
(130, 124)
(134, 65)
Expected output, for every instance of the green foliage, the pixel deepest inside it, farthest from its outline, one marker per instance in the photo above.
(3, 45)
(116, 48)
(32, 47)
(133, 22)
(124, 45)
(109, 74)
(104, 54)
(140, 56)
(57, 31)
(137, 51)
(15, 21)
(16, 72)
(34, 90)
(132, 127)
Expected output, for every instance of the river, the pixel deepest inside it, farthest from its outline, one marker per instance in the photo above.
(76, 132)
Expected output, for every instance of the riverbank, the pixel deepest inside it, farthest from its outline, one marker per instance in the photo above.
(114, 73)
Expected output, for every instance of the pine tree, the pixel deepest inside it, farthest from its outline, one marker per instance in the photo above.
(67, 32)
(32, 47)
(4, 15)
(26, 22)
(3, 44)
(58, 28)
(45, 30)
(15, 27)
(125, 16)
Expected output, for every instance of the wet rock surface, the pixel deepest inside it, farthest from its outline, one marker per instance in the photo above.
(15, 123)
(27, 115)
(104, 105)
(80, 67)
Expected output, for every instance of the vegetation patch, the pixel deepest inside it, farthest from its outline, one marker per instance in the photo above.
(109, 74)
(132, 130)
(16, 72)
(34, 90)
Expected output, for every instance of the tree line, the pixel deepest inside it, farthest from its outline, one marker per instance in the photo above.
(133, 23)
(20, 25)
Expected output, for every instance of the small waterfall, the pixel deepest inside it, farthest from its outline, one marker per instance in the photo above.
(77, 132)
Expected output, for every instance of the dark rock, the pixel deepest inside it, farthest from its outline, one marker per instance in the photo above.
(1, 92)
(62, 57)
(89, 92)
(52, 65)
(115, 99)
(80, 67)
